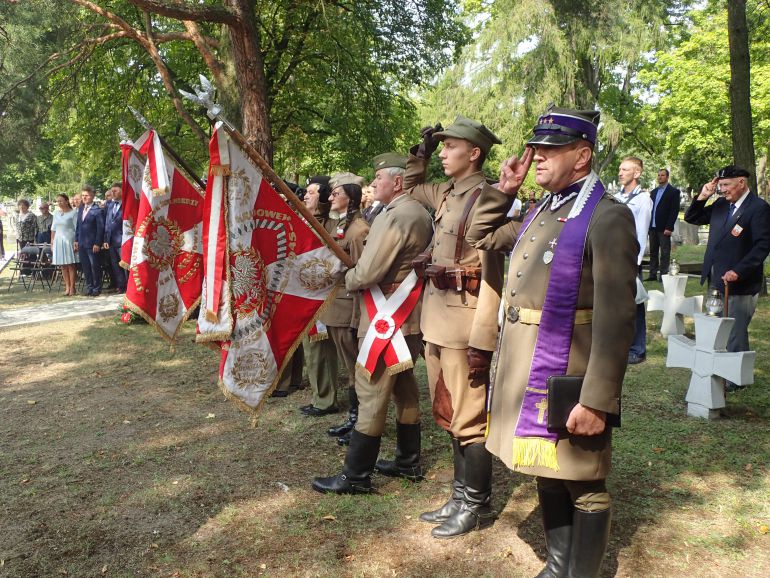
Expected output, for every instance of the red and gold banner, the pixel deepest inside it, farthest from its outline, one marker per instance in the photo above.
(268, 272)
(165, 275)
(133, 171)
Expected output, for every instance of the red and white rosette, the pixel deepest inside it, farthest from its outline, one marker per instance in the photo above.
(384, 337)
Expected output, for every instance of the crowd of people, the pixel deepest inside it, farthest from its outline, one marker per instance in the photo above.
(82, 233)
(572, 316)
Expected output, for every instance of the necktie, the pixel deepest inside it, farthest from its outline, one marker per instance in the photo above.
(730, 212)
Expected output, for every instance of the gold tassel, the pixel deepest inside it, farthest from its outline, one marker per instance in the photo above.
(318, 337)
(399, 367)
(220, 170)
(211, 317)
(124, 264)
(532, 452)
(363, 370)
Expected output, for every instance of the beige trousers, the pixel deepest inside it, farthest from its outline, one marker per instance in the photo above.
(374, 395)
(459, 404)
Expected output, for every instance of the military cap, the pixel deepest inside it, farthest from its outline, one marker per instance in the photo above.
(561, 126)
(389, 160)
(319, 180)
(472, 131)
(339, 179)
(732, 172)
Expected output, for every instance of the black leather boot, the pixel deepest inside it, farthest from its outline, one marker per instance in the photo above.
(557, 512)
(350, 423)
(344, 440)
(356, 473)
(452, 506)
(407, 462)
(590, 534)
(475, 512)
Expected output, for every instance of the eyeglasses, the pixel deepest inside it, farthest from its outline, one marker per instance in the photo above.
(336, 193)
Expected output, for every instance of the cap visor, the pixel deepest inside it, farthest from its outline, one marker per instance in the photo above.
(448, 133)
(552, 139)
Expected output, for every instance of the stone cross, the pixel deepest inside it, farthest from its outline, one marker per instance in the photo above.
(674, 304)
(710, 363)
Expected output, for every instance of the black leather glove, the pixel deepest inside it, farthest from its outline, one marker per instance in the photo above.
(479, 362)
(429, 143)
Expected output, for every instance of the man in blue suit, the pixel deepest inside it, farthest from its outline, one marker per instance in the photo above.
(739, 242)
(665, 210)
(89, 236)
(113, 235)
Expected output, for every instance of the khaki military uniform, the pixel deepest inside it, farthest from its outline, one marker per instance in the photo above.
(599, 348)
(397, 236)
(453, 320)
(341, 315)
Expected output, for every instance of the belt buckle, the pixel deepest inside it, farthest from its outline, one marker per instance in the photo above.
(512, 314)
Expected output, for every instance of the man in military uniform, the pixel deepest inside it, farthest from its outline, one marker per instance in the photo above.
(397, 236)
(320, 353)
(459, 314)
(580, 246)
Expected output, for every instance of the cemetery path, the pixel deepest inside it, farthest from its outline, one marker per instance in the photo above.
(78, 308)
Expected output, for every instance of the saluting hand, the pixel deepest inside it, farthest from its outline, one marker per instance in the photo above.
(514, 171)
(585, 421)
(708, 189)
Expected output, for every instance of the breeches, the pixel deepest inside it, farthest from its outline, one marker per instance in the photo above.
(374, 395)
(459, 404)
(347, 349)
(589, 496)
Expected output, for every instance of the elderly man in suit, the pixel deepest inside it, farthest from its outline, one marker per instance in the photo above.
(113, 235)
(665, 210)
(89, 236)
(569, 311)
(739, 242)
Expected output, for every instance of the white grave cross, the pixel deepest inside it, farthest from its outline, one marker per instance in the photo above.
(710, 363)
(674, 304)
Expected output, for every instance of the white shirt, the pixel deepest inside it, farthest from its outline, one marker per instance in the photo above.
(641, 207)
(739, 202)
(515, 207)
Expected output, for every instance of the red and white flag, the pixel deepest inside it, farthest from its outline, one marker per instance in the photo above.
(266, 275)
(133, 170)
(166, 268)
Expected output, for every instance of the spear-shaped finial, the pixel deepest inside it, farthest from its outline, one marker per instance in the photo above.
(139, 117)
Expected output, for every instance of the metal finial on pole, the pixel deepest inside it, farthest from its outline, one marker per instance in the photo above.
(204, 96)
(179, 160)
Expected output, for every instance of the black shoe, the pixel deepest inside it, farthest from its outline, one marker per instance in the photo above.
(350, 423)
(357, 471)
(475, 512)
(452, 506)
(304, 408)
(731, 387)
(279, 393)
(313, 411)
(344, 440)
(557, 511)
(407, 462)
(590, 534)
(634, 359)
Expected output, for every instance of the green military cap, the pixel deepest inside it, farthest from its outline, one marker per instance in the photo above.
(339, 179)
(472, 131)
(389, 160)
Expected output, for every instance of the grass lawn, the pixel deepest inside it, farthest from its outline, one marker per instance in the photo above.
(121, 458)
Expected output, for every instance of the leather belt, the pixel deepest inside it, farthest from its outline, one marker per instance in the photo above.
(532, 316)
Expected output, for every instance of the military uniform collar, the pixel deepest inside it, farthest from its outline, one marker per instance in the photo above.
(566, 195)
(468, 183)
(392, 204)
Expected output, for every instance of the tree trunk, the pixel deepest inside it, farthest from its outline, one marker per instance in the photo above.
(740, 89)
(249, 64)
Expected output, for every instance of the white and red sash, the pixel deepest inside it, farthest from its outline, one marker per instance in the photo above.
(384, 336)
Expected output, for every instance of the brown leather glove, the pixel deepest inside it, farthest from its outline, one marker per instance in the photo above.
(479, 362)
(429, 143)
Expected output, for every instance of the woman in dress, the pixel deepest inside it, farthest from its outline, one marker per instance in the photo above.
(62, 239)
(26, 224)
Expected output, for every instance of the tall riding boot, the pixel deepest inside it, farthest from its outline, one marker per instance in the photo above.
(590, 534)
(557, 512)
(458, 490)
(407, 462)
(350, 423)
(356, 473)
(475, 512)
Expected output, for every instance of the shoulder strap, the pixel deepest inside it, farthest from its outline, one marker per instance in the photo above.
(461, 227)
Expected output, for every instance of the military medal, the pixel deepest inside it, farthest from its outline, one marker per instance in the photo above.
(548, 255)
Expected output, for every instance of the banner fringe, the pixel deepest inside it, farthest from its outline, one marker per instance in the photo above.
(532, 452)
(399, 367)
